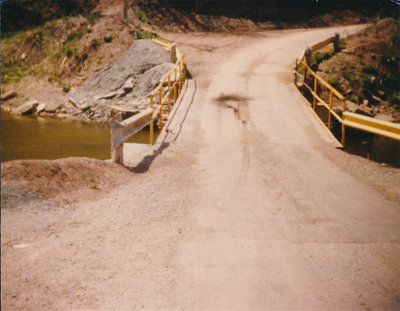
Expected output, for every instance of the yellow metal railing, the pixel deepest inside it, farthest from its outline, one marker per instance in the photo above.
(172, 82)
(347, 119)
(163, 96)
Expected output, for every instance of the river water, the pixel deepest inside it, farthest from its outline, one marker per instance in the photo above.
(40, 138)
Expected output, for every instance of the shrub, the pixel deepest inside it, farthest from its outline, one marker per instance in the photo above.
(68, 51)
(333, 81)
(394, 100)
(66, 88)
(369, 70)
(74, 36)
(141, 16)
(94, 44)
(93, 18)
(318, 58)
(108, 39)
(138, 34)
(395, 40)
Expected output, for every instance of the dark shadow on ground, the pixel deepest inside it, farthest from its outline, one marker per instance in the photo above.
(146, 162)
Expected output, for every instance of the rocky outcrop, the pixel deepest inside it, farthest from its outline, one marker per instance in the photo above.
(27, 108)
(8, 95)
(125, 83)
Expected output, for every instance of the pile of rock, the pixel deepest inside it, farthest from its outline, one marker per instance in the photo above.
(126, 84)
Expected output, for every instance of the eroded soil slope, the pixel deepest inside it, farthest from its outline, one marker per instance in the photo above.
(367, 70)
(63, 181)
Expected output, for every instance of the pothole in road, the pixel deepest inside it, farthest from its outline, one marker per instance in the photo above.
(238, 103)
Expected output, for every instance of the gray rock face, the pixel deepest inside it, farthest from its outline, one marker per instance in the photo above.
(27, 108)
(360, 109)
(140, 57)
(8, 95)
(150, 79)
(126, 83)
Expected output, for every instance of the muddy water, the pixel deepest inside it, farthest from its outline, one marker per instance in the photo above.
(32, 138)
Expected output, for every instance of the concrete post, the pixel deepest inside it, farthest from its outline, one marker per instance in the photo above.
(173, 53)
(308, 56)
(117, 154)
(336, 43)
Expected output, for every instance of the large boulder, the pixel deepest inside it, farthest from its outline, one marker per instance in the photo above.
(27, 108)
(151, 78)
(139, 58)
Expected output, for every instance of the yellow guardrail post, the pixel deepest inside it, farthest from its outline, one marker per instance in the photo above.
(343, 140)
(330, 110)
(315, 93)
(161, 108)
(169, 94)
(151, 123)
(175, 87)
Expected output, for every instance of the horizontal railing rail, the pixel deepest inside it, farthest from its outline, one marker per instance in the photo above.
(161, 100)
(347, 119)
(375, 126)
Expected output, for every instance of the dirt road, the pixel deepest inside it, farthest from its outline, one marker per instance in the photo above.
(245, 205)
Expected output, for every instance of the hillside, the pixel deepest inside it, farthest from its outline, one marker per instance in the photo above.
(367, 70)
(44, 58)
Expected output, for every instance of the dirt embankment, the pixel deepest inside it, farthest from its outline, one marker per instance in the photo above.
(253, 15)
(366, 70)
(63, 181)
(47, 62)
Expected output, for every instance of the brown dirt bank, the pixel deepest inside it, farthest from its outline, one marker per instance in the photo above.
(67, 180)
(233, 16)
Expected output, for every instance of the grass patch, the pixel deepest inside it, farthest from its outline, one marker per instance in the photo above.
(74, 36)
(318, 58)
(93, 18)
(13, 71)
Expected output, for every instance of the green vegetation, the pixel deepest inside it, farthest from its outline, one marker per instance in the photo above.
(333, 81)
(68, 51)
(74, 36)
(19, 15)
(394, 100)
(318, 58)
(301, 69)
(93, 17)
(108, 38)
(39, 51)
(13, 71)
(369, 70)
(94, 44)
(139, 34)
(66, 88)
